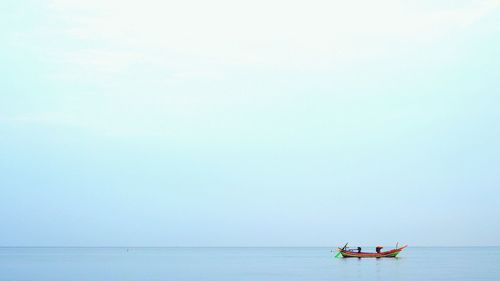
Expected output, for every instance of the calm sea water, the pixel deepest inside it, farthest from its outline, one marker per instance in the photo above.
(219, 264)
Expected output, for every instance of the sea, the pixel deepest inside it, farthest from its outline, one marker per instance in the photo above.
(231, 264)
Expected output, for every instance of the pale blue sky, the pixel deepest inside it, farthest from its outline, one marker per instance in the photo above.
(261, 123)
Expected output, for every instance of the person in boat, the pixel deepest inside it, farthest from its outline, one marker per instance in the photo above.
(378, 249)
(359, 249)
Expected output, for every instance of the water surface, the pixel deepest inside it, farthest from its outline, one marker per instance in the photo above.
(220, 264)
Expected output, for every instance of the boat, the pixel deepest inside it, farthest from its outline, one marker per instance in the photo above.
(353, 253)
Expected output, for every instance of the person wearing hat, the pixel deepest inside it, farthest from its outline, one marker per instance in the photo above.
(378, 248)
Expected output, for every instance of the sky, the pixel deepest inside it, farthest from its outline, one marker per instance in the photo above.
(249, 123)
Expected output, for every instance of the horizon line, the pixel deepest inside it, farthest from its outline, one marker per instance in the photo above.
(146, 247)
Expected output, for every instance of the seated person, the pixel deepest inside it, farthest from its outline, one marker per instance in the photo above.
(378, 248)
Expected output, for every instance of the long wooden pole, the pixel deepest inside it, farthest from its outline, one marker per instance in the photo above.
(337, 255)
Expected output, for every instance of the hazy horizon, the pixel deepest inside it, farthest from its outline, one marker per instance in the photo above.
(333, 247)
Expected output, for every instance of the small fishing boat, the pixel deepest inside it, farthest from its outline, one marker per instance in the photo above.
(356, 253)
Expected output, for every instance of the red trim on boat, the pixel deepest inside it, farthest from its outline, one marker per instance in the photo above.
(371, 255)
